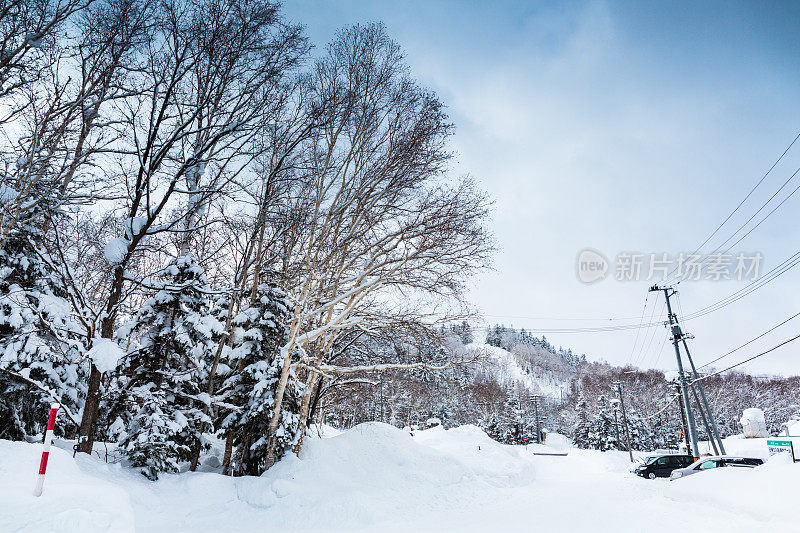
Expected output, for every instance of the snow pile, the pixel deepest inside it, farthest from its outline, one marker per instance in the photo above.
(105, 354)
(374, 472)
(375, 477)
(72, 500)
(753, 423)
(495, 463)
(767, 492)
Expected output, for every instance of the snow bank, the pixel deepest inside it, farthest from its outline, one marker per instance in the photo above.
(72, 500)
(767, 492)
(375, 472)
(324, 430)
(497, 464)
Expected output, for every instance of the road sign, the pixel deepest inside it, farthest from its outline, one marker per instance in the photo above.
(781, 446)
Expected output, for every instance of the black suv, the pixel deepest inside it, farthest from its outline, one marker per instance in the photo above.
(662, 465)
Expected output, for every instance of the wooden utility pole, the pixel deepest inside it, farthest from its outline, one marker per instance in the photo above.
(683, 417)
(618, 385)
(536, 415)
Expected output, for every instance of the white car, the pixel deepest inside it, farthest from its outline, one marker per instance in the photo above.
(715, 461)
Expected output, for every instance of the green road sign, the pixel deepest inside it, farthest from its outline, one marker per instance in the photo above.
(780, 446)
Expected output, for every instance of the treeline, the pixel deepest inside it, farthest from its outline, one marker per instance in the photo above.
(654, 411)
(480, 393)
(203, 218)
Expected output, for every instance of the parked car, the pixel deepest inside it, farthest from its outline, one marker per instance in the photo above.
(716, 461)
(662, 465)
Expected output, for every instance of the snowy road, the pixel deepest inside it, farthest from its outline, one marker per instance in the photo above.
(377, 478)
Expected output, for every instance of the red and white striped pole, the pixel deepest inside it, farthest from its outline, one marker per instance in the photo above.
(48, 440)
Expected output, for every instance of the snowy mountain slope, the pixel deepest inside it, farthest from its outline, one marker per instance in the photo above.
(509, 372)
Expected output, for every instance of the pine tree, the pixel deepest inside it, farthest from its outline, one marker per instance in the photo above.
(40, 349)
(641, 434)
(465, 333)
(163, 395)
(582, 424)
(494, 428)
(255, 370)
(603, 432)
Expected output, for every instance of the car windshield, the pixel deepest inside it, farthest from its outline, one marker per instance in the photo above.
(705, 465)
(650, 460)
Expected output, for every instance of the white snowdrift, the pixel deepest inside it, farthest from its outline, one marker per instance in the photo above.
(375, 471)
(72, 500)
(767, 493)
(375, 477)
(494, 463)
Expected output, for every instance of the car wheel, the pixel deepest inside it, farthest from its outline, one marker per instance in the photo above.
(651, 475)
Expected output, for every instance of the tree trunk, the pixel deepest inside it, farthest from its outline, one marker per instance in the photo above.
(195, 457)
(315, 402)
(226, 458)
(301, 431)
(90, 411)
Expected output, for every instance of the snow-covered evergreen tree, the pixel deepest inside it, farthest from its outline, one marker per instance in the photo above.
(602, 435)
(639, 430)
(255, 364)
(161, 387)
(582, 424)
(40, 350)
(494, 428)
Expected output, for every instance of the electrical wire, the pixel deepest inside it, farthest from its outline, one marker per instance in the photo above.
(786, 265)
(748, 342)
(785, 183)
(660, 410)
(653, 336)
(747, 360)
(750, 193)
(641, 320)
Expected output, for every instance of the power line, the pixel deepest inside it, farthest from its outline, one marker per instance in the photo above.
(585, 319)
(750, 193)
(754, 215)
(653, 336)
(601, 329)
(660, 410)
(749, 359)
(749, 342)
(753, 286)
(641, 320)
(663, 344)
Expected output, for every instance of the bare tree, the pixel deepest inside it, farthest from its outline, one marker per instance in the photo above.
(212, 76)
(388, 234)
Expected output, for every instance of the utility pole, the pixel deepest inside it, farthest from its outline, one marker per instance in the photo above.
(381, 389)
(711, 425)
(536, 416)
(683, 416)
(677, 336)
(618, 385)
(616, 422)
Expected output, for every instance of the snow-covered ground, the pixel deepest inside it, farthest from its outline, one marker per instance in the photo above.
(375, 477)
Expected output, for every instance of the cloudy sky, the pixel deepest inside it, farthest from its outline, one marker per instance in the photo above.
(621, 127)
